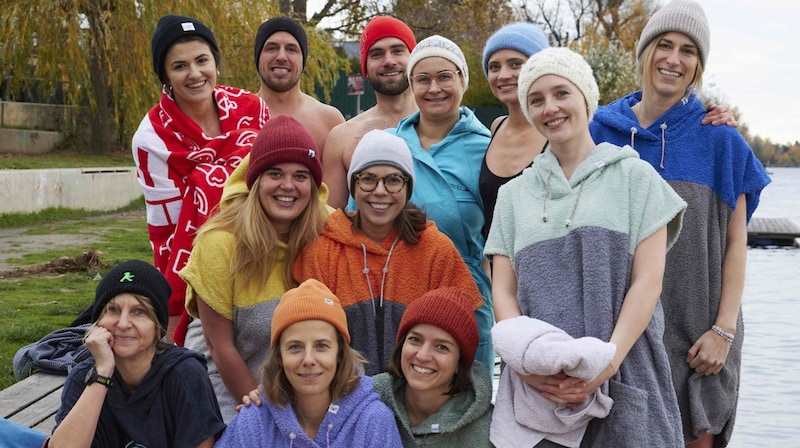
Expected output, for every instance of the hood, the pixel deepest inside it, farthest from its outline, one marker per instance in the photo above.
(340, 421)
(339, 228)
(550, 177)
(468, 123)
(162, 364)
(616, 123)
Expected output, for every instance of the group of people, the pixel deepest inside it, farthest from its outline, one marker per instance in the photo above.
(348, 276)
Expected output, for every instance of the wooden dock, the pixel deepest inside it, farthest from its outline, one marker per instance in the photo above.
(772, 232)
(33, 402)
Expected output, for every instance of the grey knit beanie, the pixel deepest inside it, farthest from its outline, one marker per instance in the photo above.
(561, 62)
(438, 46)
(379, 147)
(681, 16)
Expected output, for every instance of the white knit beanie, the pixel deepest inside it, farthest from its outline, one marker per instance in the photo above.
(681, 16)
(561, 62)
(378, 147)
(442, 47)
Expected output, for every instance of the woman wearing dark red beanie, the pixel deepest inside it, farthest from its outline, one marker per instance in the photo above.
(437, 393)
(187, 146)
(242, 258)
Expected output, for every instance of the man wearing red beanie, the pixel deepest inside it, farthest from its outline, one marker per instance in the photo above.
(385, 47)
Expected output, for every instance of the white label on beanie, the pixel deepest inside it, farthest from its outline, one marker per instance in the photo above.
(327, 301)
(187, 26)
(311, 153)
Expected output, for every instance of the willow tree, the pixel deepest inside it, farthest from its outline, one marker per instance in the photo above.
(99, 52)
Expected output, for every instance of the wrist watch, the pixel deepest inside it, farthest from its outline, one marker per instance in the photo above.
(93, 377)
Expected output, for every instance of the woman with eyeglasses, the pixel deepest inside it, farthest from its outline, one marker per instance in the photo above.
(447, 144)
(383, 256)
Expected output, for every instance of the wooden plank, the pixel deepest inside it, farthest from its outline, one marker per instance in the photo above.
(46, 426)
(20, 395)
(38, 411)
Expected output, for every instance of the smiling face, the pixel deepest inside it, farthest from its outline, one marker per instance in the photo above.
(503, 72)
(429, 359)
(309, 353)
(284, 191)
(558, 109)
(191, 72)
(673, 66)
(133, 327)
(387, 60)
(281, 62)
(379, 208)
(434, 101)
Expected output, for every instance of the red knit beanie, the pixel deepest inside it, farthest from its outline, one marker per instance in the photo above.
(449, 309)
(312, 300)
(283, 140)
(380, 27)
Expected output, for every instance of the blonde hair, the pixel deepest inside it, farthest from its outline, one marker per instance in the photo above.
(257, 240)
(646, 60)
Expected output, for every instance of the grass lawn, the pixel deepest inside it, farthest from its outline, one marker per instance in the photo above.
(65, 159)
(36, 304)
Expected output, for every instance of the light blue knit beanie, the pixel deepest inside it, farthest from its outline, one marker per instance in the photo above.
(525, 37)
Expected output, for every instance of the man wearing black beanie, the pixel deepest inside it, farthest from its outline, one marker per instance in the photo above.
(281, 52)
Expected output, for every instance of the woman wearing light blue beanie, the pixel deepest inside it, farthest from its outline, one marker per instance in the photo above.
(515, 142)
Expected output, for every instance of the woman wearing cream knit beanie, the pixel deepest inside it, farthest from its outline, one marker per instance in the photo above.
(580, 199)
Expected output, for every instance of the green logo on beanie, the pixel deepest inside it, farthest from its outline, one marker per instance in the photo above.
(128, 277)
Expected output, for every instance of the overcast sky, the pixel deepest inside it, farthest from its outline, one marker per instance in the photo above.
(755, 61)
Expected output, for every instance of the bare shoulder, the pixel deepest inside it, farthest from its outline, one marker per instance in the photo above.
(330, 115)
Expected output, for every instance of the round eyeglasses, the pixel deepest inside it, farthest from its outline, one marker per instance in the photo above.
(444, 79)
(392, 183)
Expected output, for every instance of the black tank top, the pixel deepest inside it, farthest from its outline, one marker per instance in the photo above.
(489, 183)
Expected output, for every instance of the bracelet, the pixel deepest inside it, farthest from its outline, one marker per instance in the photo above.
(725, 335)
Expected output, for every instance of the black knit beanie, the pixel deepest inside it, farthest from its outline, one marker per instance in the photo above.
(134, 277)
(281, 23)
(171, 28)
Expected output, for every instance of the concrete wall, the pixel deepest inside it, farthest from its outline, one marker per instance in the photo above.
(22, 141)
(46, 117)
(28, 191)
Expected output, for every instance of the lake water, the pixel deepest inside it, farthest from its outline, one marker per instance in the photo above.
(769, 401)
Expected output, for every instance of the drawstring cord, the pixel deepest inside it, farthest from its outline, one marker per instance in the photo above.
(383, 278)
(568, 221)
(546, 194)
(663, 143)
(633, 133)
(328, 435)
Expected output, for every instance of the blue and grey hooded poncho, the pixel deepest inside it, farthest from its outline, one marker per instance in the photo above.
(709, 167)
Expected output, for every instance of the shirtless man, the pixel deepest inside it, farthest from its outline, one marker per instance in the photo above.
(385, 47)
(281, 50)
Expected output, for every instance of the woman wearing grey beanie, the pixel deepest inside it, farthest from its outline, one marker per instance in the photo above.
(716, 172)
(386, 254)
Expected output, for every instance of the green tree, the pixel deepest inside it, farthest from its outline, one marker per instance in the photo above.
(99, 51)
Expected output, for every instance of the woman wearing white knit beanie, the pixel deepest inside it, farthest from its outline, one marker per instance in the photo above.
(716, 172)
(447, 143)
(579, 241)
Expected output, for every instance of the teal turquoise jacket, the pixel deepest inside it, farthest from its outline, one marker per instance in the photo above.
(446, 189)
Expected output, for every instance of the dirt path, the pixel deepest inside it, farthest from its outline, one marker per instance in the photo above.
(16, 242)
